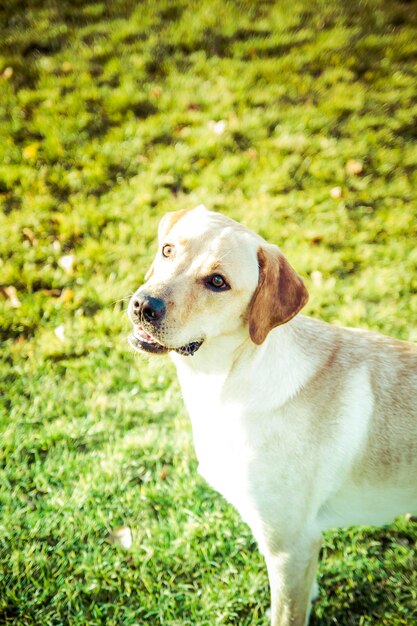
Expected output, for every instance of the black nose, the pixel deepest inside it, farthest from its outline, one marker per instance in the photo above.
(149, 308)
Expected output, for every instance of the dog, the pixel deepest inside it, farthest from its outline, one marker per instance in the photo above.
(301, 425)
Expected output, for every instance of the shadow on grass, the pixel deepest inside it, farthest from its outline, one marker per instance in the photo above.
(366, 592)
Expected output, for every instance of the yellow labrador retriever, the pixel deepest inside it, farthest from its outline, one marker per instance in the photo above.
(302, 426)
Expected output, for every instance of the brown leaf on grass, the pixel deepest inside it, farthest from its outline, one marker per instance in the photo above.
(252, 154)
(67, 295)
(354, 167)
(156, 92)
(60, 332)
(218, 128)
(316, 239)
(121, 536)
(30, 151)
(7, 73)
(317, 278)
(336, 192)
(30, 236)
(52, 293)
(10, 293)
(66, 263)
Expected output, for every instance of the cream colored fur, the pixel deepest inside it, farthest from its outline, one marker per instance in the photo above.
(312, 427)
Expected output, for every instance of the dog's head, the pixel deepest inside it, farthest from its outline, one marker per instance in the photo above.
(211, 277)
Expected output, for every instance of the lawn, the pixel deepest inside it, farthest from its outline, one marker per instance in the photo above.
(298, 119)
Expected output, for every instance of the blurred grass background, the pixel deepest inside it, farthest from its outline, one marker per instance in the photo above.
(298, 119)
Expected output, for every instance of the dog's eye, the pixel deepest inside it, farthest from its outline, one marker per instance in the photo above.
(216, 282)
(167, 250)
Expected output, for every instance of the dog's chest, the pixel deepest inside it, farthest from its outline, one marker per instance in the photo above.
(221, 440)
(222, 451)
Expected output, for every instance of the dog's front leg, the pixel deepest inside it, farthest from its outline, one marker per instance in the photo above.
(292, 581)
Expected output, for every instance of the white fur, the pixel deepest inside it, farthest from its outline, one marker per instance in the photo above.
(315, 428)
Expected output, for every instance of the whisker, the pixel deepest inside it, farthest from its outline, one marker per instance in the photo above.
(125, 299)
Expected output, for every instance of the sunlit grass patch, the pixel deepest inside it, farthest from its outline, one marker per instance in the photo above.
(298, 121)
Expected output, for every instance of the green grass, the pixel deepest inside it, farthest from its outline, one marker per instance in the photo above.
(108, 118)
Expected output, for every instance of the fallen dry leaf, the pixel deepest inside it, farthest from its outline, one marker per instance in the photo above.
(252, 154)
(354, 167)
(316, 239)
(67, 295)
(30, 151)
(219, 127)
(336, 192)
(7, 73)
(121, 536)
(60, 332)
(30, 236)
(317, 278)
(66, 262)
(156, 92)
(10, 293)
(53, 293)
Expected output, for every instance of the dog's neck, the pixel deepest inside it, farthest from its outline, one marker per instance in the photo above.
(216, 356)
(285, 354)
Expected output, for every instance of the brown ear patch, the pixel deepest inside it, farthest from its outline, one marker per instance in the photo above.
(280, 294)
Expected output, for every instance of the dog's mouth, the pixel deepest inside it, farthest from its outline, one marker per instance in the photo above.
(144, 342)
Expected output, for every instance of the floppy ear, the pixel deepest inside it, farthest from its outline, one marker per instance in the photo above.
(280, 294)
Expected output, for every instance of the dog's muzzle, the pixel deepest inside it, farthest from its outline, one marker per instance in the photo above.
(146, 314)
